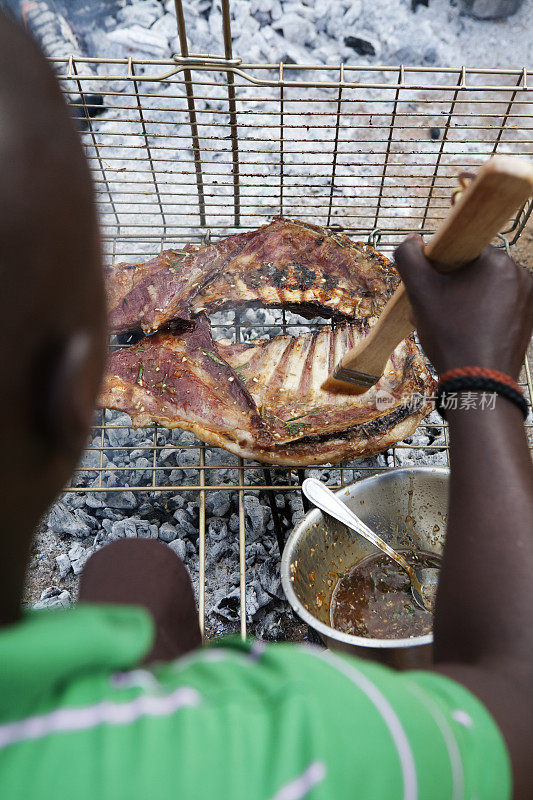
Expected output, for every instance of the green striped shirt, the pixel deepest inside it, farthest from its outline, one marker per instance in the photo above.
(236, 720)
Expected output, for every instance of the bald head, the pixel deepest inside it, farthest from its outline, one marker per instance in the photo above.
(51, 298)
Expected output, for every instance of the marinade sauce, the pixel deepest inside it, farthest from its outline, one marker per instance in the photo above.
(374, 599)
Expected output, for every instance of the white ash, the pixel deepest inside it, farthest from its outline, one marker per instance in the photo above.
(439, 34)
(179, 546)
(54, 598)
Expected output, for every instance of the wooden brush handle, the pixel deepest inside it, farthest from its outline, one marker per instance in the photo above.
(500, 188)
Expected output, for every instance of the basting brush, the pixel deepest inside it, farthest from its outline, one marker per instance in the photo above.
(500, 188)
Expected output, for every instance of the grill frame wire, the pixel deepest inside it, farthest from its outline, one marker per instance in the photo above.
(193, 93)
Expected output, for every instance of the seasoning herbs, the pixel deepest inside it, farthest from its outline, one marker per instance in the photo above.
(174, 266)
(163, 384)
(293, 425)
(239, 369)
(214, 357)
(338, 241)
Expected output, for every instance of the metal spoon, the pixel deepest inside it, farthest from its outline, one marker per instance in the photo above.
(423, 580)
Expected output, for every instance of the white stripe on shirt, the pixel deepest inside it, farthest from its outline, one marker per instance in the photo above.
(300, 787)
(452, 747)
(106, 712)
(410, 783)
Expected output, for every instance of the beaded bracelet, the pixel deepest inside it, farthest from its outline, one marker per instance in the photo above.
(478, 379)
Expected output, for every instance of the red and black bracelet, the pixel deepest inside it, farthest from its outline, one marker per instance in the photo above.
(491, 381)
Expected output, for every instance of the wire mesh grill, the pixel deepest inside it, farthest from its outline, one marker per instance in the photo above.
(200, 147)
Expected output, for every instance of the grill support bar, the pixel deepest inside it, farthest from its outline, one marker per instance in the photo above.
(184, 47)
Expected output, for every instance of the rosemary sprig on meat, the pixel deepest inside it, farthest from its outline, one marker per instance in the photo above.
(293, 427)
(214, 357)
(163, 384)
(238, 371)
(294, 424)
(338, 241)
(217, 360)
(301, 416)
(174, 266)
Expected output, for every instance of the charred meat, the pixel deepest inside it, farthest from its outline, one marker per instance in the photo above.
(288, 264)
(264, 400)
(180, 381)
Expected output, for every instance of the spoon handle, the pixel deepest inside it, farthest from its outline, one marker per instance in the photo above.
(322, 497)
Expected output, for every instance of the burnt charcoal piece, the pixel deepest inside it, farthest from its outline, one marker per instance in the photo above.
(92, 105)
(416, 3)
(314, 637)
(229, 607)
(361, 46)
(434, 133)
(490, 9)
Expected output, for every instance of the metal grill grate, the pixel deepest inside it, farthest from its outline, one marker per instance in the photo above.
(202, 146)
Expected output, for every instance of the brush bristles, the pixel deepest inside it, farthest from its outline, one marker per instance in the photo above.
(336, 386)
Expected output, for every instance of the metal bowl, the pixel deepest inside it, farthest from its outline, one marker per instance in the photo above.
(408, 508)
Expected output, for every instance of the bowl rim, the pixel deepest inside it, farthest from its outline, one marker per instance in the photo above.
(313, 516)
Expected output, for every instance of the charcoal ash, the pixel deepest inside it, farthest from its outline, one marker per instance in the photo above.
(218, 504)
(185, 523)
(139, 40)
(144, 14)
(120, 501)
(490, 9)
(53, 597)
(61, 520)
(168, 533)
(327, 32)
(78, 557)
(133, 528)
(179, 546)
(64, 565)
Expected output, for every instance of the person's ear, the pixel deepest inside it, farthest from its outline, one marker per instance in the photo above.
(68, 378)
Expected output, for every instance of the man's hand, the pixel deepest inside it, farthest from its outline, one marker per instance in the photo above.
(480, 316)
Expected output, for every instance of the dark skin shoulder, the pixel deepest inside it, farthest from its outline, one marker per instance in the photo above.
(52, 313)
(483, 316)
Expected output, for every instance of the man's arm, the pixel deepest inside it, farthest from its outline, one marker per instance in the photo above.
(483, 632)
